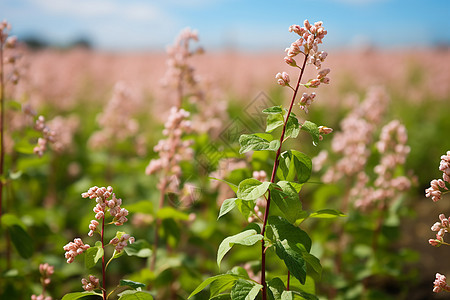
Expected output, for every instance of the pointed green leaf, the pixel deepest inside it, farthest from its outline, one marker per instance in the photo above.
(246, 238)
(274, 121)
(92, 256)
(140, 248)
(253, 142)
(245, 290)
(313, 130)
(297, 295)
(287, 201)
(275, 288)
(313, 265)
(280, 229)
(274, 110)
(292, 127)
(245, 207)
(132, 284)
(227, 206)
(21, 240)
(231, 185)
(252, 189)
(294, 164)
(224, 278)
(293, 259)
(326, 214)
(79, 295)
(222, 297)
(135, 295)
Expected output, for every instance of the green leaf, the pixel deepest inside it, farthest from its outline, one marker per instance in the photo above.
(140, 248)
(9, 220)
(313, 265)
(287, 201)
(24, 146)
(132, 284)
(275, 288)
(223, 278)
(313, 130)
(92, 256)
(21, 240)
(79, 295)
(171, 213)
(144, 206)
(326, 214)
(294, 164)
(245, 290)
(227, 206)
(135, 295)
(293, 259)
(280, 229)
(231, 185)
(251, 142)
(274, 110)
(297, 295)
(252, 189)
(245, 207)
(292, 127)
(274, 121)
(246, 238)
(221, 297)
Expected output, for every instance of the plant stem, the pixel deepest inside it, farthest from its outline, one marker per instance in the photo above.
(2, 125)
(158, 223)
(272, 179)
(103, 260)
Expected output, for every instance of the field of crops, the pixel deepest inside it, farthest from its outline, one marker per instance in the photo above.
(181, 166)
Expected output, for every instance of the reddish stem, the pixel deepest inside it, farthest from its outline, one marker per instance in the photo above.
(272, 179)
(103, 260)
(2, 125)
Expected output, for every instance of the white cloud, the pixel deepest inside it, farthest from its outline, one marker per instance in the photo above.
(103, 8)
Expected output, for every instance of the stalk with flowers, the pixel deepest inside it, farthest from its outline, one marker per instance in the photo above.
(107, 202)
(438, 188)
(277, 232)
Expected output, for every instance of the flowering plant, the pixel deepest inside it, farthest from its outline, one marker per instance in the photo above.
(107, 202)
(279, 232)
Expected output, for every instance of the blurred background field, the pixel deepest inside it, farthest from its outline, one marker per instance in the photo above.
(73, 84)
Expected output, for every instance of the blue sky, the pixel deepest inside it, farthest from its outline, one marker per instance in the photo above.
(249, 25)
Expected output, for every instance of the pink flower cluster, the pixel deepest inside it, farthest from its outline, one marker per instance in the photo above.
(91, 283)
(437, 185)
(101, 196)
(116, 121)
(441, 227)
(121, 242)
(283, 79)
(394, 151)
(350, 143)
(40, 297)
(323, 130)
(48, 136)
(180, 74)
(9, 42)
(440, 284)
(310, 37)
(306, 100)
(172, 150)
(46, 271)
(74, 248)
